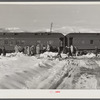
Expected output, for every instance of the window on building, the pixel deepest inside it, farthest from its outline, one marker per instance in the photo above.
(41, 33)
(17, 42)
(83, 42)
(36, 34)
(15, 34)
(11, 42)
(6, 42)
(91, 41)
(22, 42)
(4, 33)
(49, 34)
(38, 41)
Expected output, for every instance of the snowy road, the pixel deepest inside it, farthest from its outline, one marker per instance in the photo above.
(23, 72)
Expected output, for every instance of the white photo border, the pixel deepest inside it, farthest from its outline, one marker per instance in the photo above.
(50, 94)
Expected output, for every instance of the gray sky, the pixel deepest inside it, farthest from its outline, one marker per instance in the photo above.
(39, 17)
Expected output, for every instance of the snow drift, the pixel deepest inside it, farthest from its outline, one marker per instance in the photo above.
(45, 71)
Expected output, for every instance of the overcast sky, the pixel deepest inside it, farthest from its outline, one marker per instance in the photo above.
(39, 17)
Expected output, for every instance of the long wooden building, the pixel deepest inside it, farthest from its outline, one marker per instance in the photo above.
(86, 41)
(10, 39)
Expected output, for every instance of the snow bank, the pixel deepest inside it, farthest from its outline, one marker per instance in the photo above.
(55, 77)
(21, 71)
(48, 54)
(89, 55)
(18, 71)
(52, 55)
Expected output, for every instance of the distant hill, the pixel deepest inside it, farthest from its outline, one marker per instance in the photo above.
(64, 30)
(11, 30)
(68, 29)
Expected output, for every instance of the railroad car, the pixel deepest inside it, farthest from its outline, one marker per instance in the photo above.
(9, 39)
(83, 41)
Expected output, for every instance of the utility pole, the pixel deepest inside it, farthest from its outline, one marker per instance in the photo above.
(51, 27)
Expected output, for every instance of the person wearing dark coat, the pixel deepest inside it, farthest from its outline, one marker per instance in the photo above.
(44, 48)
(69, 52)
(4, 51)
(0, 51)
(60, 48)
(66, 50)
(96, 51)
(77, 51)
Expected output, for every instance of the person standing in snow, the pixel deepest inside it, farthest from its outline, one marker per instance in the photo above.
(67, 50)
(0, 51)
(76, 51)
(72, 50)
(4, 51)
(28, 50)
(38, 48)
(60, 48)
(44, 48)
(25, 50)
(16, 49)
(96, 51)
(59, 52)
(32, 50)
(20, 48)
(48, 47)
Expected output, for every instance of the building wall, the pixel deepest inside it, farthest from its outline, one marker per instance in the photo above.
(9, 40)
(86, 41)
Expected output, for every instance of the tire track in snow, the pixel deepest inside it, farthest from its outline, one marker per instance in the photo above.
(81, 77)
(86, 79)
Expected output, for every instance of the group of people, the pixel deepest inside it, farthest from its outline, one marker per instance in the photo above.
(70, 51)
(3, 51)
(33, 49)
(38, 48)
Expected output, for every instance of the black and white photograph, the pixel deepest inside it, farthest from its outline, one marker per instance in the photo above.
(49, 46)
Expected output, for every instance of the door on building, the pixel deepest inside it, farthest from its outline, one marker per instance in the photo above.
(70, 41)
(66, 41)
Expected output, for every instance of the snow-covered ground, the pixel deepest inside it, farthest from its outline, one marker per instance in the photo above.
(46, 71)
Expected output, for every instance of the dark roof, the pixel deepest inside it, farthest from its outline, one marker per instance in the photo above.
(83, 34)
(30, 34)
